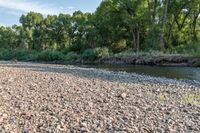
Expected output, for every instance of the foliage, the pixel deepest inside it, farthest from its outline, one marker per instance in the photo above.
(92, 54)
(18, 54)
(162, 97)
(50, 55)
(192, 99)
(3, 53)
(101, 52)
(132, 53)
(143, 26)
(89, 54)
(191, 49)
(71, 56)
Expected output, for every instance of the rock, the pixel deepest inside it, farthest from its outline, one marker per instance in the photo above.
(83, 124)
(58, 98)
(123, 95)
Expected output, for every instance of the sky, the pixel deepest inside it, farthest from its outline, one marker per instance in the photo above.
(11, 10)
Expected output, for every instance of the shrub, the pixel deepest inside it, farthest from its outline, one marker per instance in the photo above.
(132, 53)
(101, 52)
(76, 46)
(71, 56)
(3, 53)
(119, 46)
(19, 54)
(197, 64)
(92, 54)
(50, 55)
(89, 54)
(190, 49)
(31, 56)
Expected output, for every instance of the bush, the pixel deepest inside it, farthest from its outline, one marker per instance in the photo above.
(89, 54)
(101, 52)
(92, 54)
(3, 53)
(132, 53)
(197, 64)
(50, 55)
(71, 56)
(190, 49)
(152, 40)
(18, 54)
(76, 46)
(25, 55)
(119, 46)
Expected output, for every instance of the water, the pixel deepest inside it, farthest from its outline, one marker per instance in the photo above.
(190, 73)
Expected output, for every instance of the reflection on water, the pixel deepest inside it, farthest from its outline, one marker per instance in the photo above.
(191, 73)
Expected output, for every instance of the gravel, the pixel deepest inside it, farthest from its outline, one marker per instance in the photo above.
(50, 98)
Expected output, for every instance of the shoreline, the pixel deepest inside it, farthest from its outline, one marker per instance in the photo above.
(174, 61)
(106, 74)
(157, 60)
(167, 60)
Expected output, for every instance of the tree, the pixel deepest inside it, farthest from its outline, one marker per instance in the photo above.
(30, 22)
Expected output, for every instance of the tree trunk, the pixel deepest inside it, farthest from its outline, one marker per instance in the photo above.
(134, 39)
(165, 13)
(138, 40)
(154, 10)
(194, 27)
(149, 12)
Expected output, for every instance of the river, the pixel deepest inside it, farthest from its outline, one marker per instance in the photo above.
(189, 73)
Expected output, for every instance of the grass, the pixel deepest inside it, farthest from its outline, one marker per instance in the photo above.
(162, 97)
(191, 50)
(192, 99)
(132, 53)
(123, 86)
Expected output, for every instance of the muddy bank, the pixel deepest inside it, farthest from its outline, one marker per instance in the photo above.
(55, 98)
(153, 60)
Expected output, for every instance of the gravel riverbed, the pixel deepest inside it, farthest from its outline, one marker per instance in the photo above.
(46, 98)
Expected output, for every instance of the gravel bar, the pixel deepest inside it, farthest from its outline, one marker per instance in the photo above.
(49, 98)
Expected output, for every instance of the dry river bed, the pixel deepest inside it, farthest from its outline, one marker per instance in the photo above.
(45, 98)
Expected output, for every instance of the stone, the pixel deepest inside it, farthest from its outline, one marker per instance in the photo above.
(123, 95)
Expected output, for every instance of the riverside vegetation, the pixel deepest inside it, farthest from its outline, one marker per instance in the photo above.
(122, 28)
(49, 98)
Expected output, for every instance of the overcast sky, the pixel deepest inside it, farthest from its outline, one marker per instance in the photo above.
(11, 10)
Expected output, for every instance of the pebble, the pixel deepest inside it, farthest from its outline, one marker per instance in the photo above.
(57, 98)
(123, 95)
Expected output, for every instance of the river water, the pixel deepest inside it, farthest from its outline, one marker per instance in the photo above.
(190, 73)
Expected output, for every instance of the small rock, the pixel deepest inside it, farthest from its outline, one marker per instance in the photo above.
(123, 95)
(83, 124)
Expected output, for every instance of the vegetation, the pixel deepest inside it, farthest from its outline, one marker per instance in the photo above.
(134, 26)
(192, 99)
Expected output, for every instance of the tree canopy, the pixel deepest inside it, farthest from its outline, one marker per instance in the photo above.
(119, 25)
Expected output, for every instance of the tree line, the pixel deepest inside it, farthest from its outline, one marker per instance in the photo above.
(118, 25)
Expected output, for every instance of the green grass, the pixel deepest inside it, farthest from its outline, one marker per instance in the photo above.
(192, 99)
(162, 97)
(192, 50)
(30, 55)
(132, 53)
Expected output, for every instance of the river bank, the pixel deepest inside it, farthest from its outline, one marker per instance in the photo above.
(161, 60)
(165, 60)
(123, 58)
(37, 97)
